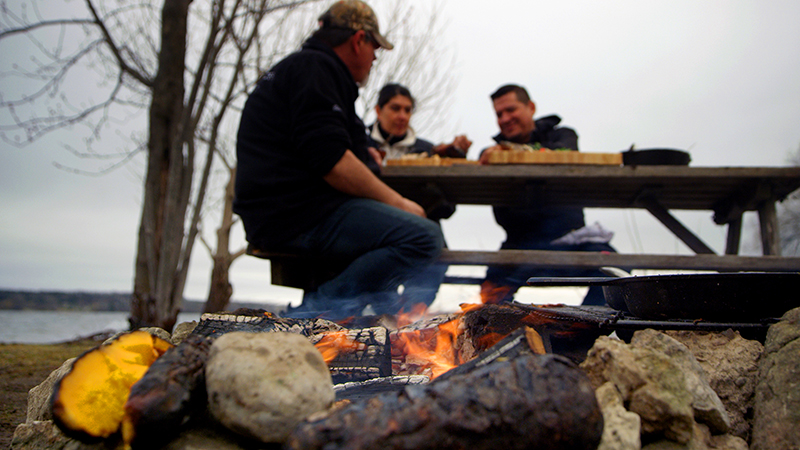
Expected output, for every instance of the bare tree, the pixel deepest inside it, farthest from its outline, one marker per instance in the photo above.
(418, 61)
(268, 46)
(190, 65)
(141, 53)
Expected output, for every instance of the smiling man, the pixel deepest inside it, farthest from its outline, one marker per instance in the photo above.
(515, 109)
(303, 184)
(535, 226)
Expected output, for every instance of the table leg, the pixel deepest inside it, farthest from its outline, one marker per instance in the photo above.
(674, 225)
(768, 219)
(734, 236)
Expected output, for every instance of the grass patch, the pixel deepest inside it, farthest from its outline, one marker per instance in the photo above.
(22, 367)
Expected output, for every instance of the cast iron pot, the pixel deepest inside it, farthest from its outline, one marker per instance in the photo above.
(655, 157)
(718, 297)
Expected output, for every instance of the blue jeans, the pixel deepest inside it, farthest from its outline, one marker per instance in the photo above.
(386, 245)
(422, 287)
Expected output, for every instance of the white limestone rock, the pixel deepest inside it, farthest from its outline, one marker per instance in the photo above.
(261, 385)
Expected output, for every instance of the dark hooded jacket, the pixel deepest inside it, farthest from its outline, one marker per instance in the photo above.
(295, 126)
(537, 223)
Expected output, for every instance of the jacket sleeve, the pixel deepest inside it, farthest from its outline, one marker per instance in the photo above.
(317, 117)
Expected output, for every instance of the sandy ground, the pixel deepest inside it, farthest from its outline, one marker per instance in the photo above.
(23, 366)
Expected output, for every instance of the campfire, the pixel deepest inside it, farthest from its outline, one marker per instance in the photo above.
(423, 376)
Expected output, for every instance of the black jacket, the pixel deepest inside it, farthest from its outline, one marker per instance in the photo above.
(295, 126)
(537, 224)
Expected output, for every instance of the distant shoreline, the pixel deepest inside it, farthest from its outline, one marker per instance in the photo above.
(97, 301)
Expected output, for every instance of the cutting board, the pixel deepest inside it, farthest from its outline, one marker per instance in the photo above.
(435, 161)
(554, 157)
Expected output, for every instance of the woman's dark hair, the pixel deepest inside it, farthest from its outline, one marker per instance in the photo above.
(392, 90)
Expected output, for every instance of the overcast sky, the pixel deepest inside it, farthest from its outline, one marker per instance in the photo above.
(717, 78)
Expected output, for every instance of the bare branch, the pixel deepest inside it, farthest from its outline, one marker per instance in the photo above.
(109, 40)
(44, 24)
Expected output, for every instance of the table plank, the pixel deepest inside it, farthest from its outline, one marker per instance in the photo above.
(562, 259)
(676, 187)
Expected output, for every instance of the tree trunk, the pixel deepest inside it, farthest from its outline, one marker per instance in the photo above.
(167, 182)
(221, 290)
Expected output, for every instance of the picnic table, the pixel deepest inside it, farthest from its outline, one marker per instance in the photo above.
(728, 192)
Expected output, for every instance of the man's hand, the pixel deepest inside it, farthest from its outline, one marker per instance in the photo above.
(351, 176)
(462, 143)
(411, 207)
(456, 149)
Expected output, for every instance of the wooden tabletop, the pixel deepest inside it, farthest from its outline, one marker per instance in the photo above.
(727, 191)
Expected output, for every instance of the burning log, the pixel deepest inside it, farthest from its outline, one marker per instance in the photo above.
(352, 355)
(215, 325)
(169, 392)
(355, 355)
(426, 351)
(485, 325)
(526, 402)
(173, 389)
(520, 342)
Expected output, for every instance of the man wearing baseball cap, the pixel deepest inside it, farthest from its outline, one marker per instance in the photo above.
(306, 183)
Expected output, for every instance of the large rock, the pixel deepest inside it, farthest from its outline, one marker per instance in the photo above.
(702, 439)
(651, 385)
(776, 424)
(708, 407)
(730, 363)
(621, 428)
(203, 435)
(182, 331)
(262, 385)
(155, 331)
(45, 435)
(39, 396)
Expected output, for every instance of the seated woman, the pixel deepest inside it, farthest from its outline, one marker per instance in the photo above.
(392, 137)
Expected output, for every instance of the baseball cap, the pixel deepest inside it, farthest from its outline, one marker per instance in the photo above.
(354, 15)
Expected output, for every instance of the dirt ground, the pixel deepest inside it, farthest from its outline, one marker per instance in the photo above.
(23, 366)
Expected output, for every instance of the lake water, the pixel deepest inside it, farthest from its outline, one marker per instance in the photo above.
(45, 327)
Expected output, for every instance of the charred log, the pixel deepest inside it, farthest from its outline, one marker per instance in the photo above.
(360, 354)
(512, 346)
(367, 389)
(527, 402)
(517, 343)
(486, 325)
(368, 352)
(258, 321)
(169, 392)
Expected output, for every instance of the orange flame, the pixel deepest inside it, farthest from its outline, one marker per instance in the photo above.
(431, 350)
(492, 294)
(489, 339)
(336, 343)
(467, 307)
(418, 311)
